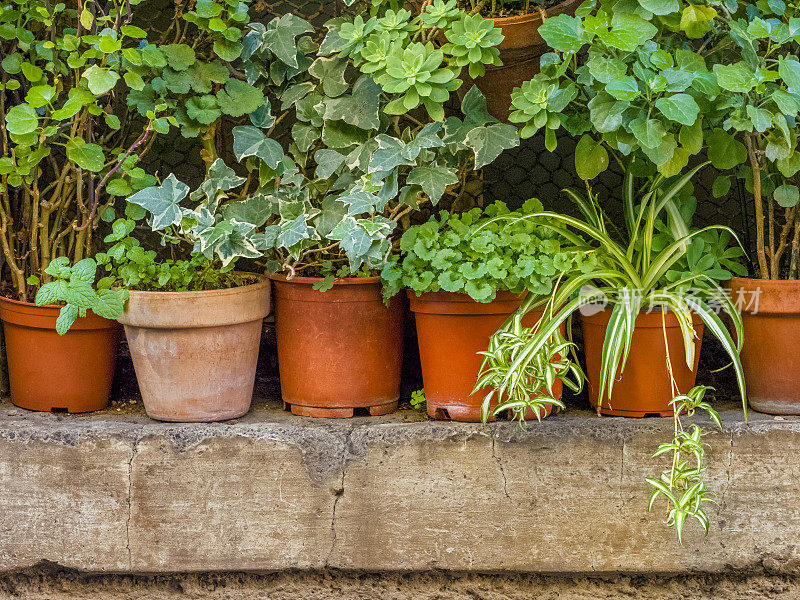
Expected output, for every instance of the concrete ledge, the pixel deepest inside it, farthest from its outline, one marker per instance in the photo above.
(122, 494)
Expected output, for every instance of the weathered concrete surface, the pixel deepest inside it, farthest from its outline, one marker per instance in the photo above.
(49, 583)
(270, 491)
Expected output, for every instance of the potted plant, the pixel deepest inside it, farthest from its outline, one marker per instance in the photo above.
(674, 80)
(68, 149)
(520, 47)
(193, 322)
(644, 307)
(466, 274)
(370, 145)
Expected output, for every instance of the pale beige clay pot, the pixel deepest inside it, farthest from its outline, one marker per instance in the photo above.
(195, 353)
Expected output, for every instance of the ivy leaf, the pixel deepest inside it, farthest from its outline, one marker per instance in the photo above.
(220, 177)
(330, 72)
(304, 135)
(680, 108)
(280, 34)
(239, 98)
(294, 232)
(255, 209)
(591, 158)
(86, 156)
(100, 79)
(360, 201)
(251, 141)
(162, 202)
(489, 141)
(327, 162)
(563, 33)
(433, 180)
(389, 154)
(21, 119)
(359, 108)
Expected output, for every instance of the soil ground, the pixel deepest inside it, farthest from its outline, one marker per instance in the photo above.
(52, 583)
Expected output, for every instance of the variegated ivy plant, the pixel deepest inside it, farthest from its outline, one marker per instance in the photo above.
(329, 204)
(671, 79)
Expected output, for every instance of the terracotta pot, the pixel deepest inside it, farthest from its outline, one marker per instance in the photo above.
(644, 387)
(50, 372)
(195, 353)
(520, 52)
(452, 328)
(770, 355)
(338, 350)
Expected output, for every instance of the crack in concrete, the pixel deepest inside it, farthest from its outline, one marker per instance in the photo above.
(129, 497)
(502, 469)
(338, 493)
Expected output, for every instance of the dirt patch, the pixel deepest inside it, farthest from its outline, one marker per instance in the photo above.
(52, 583)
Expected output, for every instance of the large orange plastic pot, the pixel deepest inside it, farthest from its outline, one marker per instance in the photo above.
(452, 328)
(62, 373)
(195, 353)
(520, 53)
(338, 350)
(644, 386)
(770, 355)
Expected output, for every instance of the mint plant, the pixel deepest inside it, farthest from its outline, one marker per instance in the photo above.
(75, 287)
(475, 254)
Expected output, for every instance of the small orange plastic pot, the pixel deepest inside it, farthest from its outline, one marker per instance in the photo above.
(644, 387)
(61, 373)
(452, 329)
(770, 357)
(338, 350)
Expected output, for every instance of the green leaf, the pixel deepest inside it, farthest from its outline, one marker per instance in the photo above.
(110, 303)
(725, 151)
(21, 119)
(85, 270)
(327, 162)
(40, 95)
(162, 202)
(255, 209)
(134, 80)
(563, 33)
(304, 135)
(681, 108)
(359, 108)
(789, 70)
(280, 35)
(489, 141)
(591, 158)
(100, 79)
(239, 98)
(433, 180)
(787, 195)
(735, 78)
(605, 112)
(66, 317)
(86, 156)
(179, 56)
(649, 132)
(330, 72)
(625, 88)
(203, 109)
(660, 7)
(628, 32)
(251, 141)
(721, 187)
(133, 31)
(50, 293)
(696, 20)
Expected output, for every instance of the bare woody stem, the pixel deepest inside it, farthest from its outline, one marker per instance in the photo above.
(761, 250)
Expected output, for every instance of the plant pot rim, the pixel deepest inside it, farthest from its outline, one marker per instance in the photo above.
(776, 282)
(30, 314)
(198, 309)
(781, 297)
(649, 319)
(311, 280)
(534, 15)
(259, 280)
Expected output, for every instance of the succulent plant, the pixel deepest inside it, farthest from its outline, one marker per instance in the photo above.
(417, 73)
(354, 36)
(398, 23)
(473, 40)
(440, 14)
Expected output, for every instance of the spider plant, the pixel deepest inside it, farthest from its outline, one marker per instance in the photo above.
(632, 273)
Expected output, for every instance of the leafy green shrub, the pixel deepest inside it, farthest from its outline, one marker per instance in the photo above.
(672, 79)
(478, 255)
